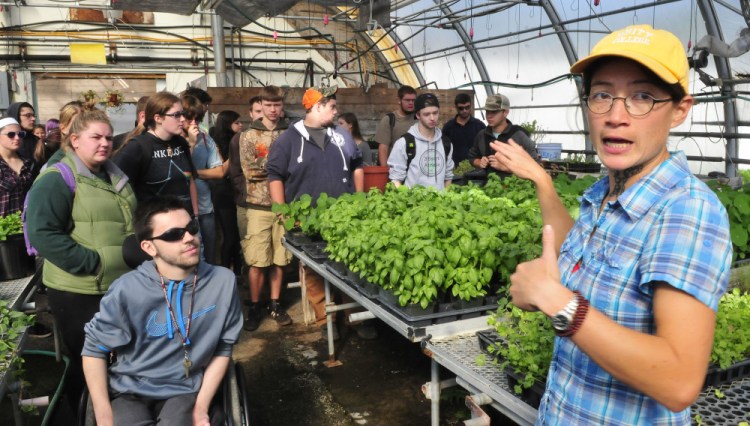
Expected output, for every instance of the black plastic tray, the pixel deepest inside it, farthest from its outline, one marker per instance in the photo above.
(337, 268)
(487, 338)
(533, 395)
(297, 238)
(717, 377)
(316, 251)
(418, 317)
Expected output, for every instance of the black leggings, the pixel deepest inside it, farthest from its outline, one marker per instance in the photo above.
(72, 311)
(231, 254)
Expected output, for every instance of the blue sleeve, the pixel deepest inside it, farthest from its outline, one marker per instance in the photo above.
(108, 330)
(690, 249)
(232, 326)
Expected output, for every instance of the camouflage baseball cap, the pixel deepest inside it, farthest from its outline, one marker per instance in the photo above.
(496, 103)
(315, 94)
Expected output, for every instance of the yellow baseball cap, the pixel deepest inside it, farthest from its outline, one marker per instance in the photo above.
(658, 50)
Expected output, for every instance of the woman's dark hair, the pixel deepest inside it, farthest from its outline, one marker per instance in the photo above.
(351, 120)
(675, 91)
(159, 104)
(193, 108)
(222, 132)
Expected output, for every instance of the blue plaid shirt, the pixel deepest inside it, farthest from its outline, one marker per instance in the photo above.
(667, 227)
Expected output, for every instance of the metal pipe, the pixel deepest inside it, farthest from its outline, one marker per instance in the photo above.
(220, 62)
(435, 392)
(713, 27)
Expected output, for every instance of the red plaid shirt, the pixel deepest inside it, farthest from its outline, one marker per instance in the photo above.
(13, 187)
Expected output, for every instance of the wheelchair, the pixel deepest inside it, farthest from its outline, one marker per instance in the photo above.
(229, 407)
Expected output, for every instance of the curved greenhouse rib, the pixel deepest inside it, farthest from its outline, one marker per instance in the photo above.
(478, 61)
(570, 53)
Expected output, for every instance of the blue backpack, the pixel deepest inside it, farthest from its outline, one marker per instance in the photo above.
(70, 181)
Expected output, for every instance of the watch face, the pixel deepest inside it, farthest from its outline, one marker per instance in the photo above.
(560, 322)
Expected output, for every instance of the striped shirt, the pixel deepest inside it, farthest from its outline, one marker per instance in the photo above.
(667, 227)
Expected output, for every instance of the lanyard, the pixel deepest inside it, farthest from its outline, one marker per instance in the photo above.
(187, 363)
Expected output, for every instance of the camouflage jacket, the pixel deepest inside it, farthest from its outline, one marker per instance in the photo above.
(254, 146)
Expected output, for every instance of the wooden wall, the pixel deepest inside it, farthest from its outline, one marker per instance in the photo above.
(368, 107)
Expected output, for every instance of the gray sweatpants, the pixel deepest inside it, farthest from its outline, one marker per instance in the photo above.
(133, 410)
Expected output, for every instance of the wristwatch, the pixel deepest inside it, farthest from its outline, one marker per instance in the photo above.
(563, 320)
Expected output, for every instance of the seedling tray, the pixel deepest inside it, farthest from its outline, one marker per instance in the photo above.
(337, 268)
(316, 251)
(368, 289)
(487, 338)
(418, 317)
(533, 395)
(297, 238)
(717, 377)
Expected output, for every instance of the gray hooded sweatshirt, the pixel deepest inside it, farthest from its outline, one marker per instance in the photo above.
(429, 167)
(133, 320)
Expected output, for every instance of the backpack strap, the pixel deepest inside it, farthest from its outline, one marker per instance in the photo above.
(392, 120)
(411, 149)
(70, 181)
(67, 175)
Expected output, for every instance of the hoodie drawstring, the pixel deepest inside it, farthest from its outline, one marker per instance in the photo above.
(180, 319)
(301, 148)
(330, 132)
(170, 330)
(343, 159)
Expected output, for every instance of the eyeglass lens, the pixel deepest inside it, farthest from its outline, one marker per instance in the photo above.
(176, 234)
(11, 135)
(177, 114)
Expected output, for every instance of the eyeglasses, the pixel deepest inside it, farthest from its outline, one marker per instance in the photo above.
(12, 135)
(176, 234)
(463, 108)
(177, 114)
(637, 104)
(27, 115)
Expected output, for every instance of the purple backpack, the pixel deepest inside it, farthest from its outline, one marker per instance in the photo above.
(70, 181)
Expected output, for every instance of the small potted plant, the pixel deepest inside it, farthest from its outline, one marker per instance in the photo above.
(89, 96)
(14, 262)
(112, 99)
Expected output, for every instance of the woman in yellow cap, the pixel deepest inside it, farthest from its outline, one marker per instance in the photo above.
(632, 286)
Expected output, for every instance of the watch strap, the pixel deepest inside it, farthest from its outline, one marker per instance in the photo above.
(581, 310)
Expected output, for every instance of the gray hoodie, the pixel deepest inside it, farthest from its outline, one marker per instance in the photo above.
(133, 321)
(429, 167)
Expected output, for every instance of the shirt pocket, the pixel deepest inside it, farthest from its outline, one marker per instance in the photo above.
(617, 276)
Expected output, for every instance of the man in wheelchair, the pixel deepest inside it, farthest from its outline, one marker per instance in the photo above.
(172, 323)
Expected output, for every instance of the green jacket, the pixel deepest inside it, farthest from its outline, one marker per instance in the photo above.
(80, 235)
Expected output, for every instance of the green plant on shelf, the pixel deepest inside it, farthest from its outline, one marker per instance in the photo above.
(732, 333)
(463, 167)
(12, 324)
(10, 225)
(535, 130)
(737, 204)
(528, 343)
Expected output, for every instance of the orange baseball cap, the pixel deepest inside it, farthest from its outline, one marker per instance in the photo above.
(658, 50)
(314, 94)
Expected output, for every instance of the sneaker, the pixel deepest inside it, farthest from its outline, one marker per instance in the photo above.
(39, 330)
(324, 332)
(279, 314)
(253, 318)
(366, 331)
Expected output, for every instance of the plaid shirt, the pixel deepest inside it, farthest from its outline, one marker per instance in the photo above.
(667, 227)
(13, 187)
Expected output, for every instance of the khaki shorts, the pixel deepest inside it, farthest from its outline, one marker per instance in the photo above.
(242, 222)
(262, 244)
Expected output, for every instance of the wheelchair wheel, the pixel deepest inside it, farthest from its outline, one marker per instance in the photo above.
(242, 388)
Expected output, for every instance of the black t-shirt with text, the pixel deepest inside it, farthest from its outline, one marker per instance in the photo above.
(167, 172)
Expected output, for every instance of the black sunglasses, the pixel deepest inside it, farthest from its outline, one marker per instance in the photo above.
(463, 108)
(176, 234)
(12, 135)
(177, 114)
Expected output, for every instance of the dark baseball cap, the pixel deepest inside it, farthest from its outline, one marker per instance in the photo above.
(425, 100)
